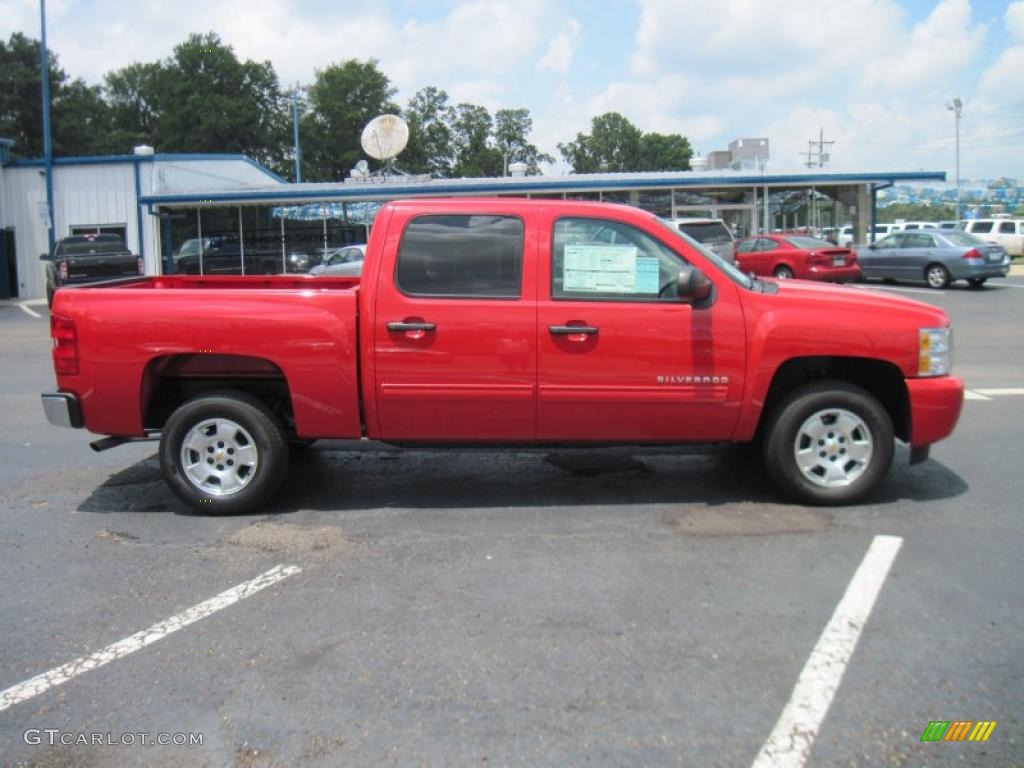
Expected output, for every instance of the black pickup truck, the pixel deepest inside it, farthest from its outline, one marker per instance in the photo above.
(89, 259)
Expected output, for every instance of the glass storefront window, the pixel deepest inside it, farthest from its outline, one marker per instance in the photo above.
(261, 240)
(616, 197)
(657, 201)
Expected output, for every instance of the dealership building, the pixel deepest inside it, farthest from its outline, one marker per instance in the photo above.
(228, 214)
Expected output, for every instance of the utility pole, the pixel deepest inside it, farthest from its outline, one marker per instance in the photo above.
(816, 154)
(956, 106)
(295, 131)
(44, 73)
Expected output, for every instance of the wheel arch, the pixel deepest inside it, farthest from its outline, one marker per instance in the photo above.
(880, 378)
(168, 381)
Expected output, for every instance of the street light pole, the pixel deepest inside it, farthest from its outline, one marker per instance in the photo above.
(956, 106)
(295, 133)
(44, 73)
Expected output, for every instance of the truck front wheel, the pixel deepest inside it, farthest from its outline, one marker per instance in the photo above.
(223, 452)
(829, 443)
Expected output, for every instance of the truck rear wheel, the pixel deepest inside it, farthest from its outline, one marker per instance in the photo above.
(223, 452)
(829, 443)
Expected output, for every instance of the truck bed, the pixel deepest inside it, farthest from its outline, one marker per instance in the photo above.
(135, 335)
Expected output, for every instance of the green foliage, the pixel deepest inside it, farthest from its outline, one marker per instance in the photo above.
(78, 115)
(614, 144)
(512, 129)
(342, 100)
(430, 121)
(201, 99)
(916, 212)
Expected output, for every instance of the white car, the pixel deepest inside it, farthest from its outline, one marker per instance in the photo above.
(712, 233)
(1008, 233)
(342, 262)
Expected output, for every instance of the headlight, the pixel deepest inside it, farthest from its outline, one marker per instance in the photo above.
(299, 260)
(935, 349)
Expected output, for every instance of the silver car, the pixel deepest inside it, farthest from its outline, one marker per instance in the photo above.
(936, 256)
(342, 262)
(712, 233)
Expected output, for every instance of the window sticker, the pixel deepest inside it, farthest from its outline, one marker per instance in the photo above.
(607, 269)
(647, 273)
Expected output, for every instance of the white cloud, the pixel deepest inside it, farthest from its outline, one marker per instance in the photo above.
(1014, 19)
(559, 55)
(944, 43)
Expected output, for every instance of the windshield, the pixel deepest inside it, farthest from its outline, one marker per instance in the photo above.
(808, 243)
(88, 247)
(706, 231)
(730, 271)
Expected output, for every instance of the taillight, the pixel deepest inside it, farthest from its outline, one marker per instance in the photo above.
(972, 254)
(62, 268)
(142, 266)
(65, 345)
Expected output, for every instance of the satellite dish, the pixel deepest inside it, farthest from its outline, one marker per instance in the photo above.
(384, 137)
(363, 167)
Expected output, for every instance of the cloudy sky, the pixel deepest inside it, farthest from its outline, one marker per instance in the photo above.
(875, 74)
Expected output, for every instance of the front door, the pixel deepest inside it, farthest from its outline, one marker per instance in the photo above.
(620, 356)
(454, 328)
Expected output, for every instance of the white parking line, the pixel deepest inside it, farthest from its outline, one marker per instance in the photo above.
(929, 291)
(970, 394)
(47, 680)
(998, 391)
(790, 742)
(26, 307)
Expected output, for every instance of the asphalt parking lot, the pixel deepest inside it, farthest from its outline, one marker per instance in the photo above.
(437, 608)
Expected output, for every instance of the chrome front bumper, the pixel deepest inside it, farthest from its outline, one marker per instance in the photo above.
(62, 409)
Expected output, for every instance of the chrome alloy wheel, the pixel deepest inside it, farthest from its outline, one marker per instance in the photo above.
(833, 448)
(219, 457)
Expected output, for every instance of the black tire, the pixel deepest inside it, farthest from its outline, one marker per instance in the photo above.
(782, 272)
(49, 296)
(786, 424)
(977, 282)
(936, 276)
(298, 444)
(256, 422)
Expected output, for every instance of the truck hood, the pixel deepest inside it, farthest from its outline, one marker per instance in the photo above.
(860, 299)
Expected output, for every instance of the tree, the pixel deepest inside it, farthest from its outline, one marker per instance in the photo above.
(660, 152)
(342, 100)
(916, 212)
(133, 96)
(613, 144)
(511, 129)
(474, 155)
(78, 115)
(430, 121)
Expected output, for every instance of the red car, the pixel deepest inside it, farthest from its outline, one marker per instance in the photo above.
(788, 255)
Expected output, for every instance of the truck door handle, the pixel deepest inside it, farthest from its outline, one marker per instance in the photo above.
(573, 330)
(411, 326)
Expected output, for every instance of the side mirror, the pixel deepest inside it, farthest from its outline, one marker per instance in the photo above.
(694, 285)
(45, 257)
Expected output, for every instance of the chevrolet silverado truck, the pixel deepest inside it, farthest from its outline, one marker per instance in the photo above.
(505, 322)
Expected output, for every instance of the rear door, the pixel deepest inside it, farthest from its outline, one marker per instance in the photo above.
(454, 328)
(620, 356)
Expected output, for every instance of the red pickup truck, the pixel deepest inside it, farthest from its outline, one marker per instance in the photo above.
(506, 322)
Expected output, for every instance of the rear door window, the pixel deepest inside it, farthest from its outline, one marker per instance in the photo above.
(983, 227)
(462, 256)
(706, 232)
(1007, 227)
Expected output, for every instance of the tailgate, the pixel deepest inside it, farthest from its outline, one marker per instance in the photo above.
(103, 266)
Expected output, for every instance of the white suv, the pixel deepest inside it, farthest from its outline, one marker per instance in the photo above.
(1008, 233)
(712, 233)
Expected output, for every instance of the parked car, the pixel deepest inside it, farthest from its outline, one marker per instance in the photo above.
(712, 233)
(223, 256)
(907, 226)
(508, 322)
(936, 256)
(342, 262)
(883, 230)
(81, 259)
(787, 256)
(845, 236)
(1008, 233)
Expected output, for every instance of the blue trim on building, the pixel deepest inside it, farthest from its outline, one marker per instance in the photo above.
(170, 157)
(138, 205)
(538, 184)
